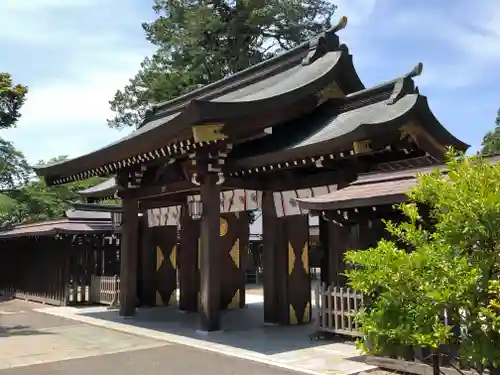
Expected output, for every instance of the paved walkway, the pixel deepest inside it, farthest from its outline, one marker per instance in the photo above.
(243, 336)
(32, 343)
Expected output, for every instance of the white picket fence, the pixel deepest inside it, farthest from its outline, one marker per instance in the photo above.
(335, 307)
(105, 290)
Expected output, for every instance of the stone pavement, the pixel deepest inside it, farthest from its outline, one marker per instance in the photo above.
(32, 343)
(243, 336)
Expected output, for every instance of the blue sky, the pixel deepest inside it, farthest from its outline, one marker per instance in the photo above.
(74, 54)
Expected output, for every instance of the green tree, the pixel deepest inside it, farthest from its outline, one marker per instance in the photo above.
(491, 141)
(33, 200)
(201, 41)
(12, 97)
(454, 265)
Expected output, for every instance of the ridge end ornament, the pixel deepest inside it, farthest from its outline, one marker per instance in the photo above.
(416, 71)
(324, 42)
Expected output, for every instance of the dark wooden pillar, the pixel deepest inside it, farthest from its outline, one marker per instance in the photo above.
(147, 260)
(339, 240)
(128, 257)
(270, 235)
(210, 278)
(325, 250)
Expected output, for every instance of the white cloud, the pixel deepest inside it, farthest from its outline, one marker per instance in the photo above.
(356, 11)
(66, 112)
(36, 5)
(83, 98)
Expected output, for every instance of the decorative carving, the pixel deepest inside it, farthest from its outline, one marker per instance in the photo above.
(208, 132)
(362, 147)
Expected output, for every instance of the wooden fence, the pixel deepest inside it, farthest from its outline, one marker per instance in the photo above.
(105, 290)
(335, 307)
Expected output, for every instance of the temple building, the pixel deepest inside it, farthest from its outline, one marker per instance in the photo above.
(297, 126)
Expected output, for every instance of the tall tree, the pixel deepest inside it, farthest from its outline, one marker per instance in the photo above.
(491, 141)
(201, 41)
(12, 97)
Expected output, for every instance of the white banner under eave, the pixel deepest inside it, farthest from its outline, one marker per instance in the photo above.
(238, 200)
(285, 202)
(164, 216)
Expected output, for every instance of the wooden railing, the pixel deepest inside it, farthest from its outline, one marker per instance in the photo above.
(105, 290)
(335, 307)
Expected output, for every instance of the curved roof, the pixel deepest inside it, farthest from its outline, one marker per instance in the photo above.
(75, 222)
(362, 115)
(272, 85)
(104, 189)
(374, 189)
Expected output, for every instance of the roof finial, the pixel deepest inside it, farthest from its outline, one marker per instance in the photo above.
(341, 24)
(324, 42)
(416, 71)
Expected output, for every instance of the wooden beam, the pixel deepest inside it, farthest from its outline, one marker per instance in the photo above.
(158, 195)
(269, 232)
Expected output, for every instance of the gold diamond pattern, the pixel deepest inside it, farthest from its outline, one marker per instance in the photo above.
(305, 258)
(159, 257)
(235, 302)
(307, 316)
(235, 253)
(291, 258)
(292, 315)
(173, 298)
(173, 257)
(159, 300)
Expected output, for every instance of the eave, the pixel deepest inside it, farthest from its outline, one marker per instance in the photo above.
(100, 191)
(168, 129)
(336, 131)
(374, 189)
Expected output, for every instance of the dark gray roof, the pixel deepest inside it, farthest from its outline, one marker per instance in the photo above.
(299, 72)
(374, 189)
(363, 115)
(76, 214)
(103, 190)
(75, 222)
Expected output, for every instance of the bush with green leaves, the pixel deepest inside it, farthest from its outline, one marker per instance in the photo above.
(453, 266)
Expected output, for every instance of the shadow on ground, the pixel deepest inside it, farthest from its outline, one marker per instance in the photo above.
(20, 330)
(242, 329)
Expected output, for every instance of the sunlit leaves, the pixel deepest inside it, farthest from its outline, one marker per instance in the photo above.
(12, 97)
(454, 265)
